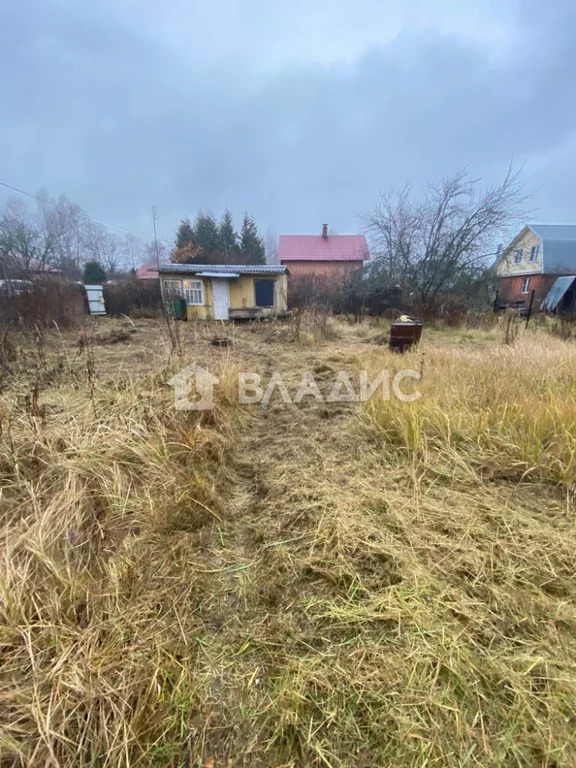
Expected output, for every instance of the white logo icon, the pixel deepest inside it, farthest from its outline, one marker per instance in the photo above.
(203, 386)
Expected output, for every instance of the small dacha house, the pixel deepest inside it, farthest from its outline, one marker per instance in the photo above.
(535, 260)
(323, 256)
(225, 291)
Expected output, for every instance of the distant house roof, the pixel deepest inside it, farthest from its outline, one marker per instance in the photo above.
(319, 248)
(147, 272)
(558, 246)
(34, 265)
(225, 269)
(38, 266)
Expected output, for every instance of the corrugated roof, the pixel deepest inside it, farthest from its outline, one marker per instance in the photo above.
(555, 294)
(224, 269)
(318, 248)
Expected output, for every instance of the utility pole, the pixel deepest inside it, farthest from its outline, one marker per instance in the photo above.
(154, 216)
(162, 298)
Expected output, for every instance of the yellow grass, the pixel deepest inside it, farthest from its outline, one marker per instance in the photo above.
(326, 584)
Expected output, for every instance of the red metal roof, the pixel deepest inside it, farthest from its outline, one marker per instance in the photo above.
(318, 248)
(147, 272)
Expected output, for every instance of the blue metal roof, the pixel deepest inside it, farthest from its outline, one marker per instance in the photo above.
(556, 293)
(225, 269)
(555, 231)
(558, 246)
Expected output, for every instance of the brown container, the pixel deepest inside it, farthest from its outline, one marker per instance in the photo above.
(404, 335)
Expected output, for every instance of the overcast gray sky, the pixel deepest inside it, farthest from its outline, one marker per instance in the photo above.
(297, 110)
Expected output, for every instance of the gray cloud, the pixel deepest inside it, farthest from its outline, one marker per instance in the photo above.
(119, 119)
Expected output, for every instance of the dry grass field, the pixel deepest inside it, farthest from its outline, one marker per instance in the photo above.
(287, 586)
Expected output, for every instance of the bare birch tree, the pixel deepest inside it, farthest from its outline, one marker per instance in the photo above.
(430, 245)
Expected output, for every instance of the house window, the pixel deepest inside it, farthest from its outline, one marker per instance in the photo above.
(264, 293)
(172, 289)
(518, 255)
(534, 253)
(194, 293)
(525, 285)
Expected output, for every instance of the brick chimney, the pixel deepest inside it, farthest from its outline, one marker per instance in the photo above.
(325, 231)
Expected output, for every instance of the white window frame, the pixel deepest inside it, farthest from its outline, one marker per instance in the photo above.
(518, 255)
(172, 287)
(194, 292)
(534, 253)
(525, 285)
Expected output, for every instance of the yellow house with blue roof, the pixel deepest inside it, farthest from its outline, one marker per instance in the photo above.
(226, 291)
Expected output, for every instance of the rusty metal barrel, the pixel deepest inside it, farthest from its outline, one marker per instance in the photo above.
(404, 335)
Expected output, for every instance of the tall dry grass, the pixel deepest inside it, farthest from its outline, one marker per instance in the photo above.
(105, 488)
(502, 411)
(387, 585)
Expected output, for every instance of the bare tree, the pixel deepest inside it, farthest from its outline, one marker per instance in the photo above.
(58, 232)
(429, 246)
(157, 250)
(104, 247)
(25, 245)
(271, 247)
(65, 224)
(133, 250)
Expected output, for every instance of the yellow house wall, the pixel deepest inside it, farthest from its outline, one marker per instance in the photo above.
(241, 291)
(525, 240)
(282, 293)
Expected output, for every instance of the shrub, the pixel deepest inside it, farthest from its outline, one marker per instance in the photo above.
(44, 304)
(139, 298)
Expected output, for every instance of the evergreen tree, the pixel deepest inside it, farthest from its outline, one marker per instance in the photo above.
(228, 239)
(207, 236)
(94, 273)
(251, 244)
(184, 234)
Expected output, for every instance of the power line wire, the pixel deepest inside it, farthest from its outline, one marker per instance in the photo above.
(82, 213)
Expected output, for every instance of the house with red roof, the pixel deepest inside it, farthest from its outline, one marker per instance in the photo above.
(322, 256)
(147, 272)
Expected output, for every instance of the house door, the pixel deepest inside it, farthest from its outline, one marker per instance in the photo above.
(95, 295)
(220, 299)
(264, 293)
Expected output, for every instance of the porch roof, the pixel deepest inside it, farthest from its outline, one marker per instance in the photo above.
(224, 270)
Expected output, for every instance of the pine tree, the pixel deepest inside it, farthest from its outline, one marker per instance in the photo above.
(251, 244)
(94, 273)
(184, 234)
(186, 249)
(228, 239)
(207, 236)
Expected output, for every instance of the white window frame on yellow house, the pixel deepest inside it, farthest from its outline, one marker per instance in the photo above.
(518, 255)
(172, 287)
(194, 292)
